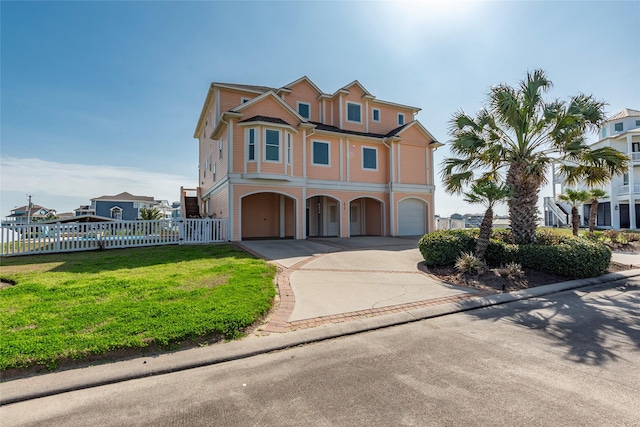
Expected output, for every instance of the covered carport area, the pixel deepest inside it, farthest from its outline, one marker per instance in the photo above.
(268, 215)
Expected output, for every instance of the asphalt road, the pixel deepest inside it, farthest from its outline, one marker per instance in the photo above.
(566, 359)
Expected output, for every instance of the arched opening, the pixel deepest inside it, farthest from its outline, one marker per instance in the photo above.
(268, 216)
(323, 216)
(366, 217)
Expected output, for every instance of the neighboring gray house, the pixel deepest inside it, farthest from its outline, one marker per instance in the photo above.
(123, 206)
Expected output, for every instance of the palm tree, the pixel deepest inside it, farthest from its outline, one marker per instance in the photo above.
(150, 214)
(575, 197)
(594, 195)
(519, 134)
(487, 193)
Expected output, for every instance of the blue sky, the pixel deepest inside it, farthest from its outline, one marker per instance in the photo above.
(103, 97)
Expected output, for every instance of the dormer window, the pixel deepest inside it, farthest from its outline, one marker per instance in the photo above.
(354, 112)
(304, 109)
(618, 127)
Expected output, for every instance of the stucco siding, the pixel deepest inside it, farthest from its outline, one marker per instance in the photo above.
(413, 166)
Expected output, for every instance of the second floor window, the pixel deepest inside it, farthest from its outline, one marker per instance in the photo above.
(400, 119)
(354, 112)
(369, 158)
(320, 153)
(304, 110)
(288, 148)
(375, 115)
(252, 144)
(272, 145)
(618, 127)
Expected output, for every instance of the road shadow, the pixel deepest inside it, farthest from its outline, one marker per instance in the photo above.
(592, 324)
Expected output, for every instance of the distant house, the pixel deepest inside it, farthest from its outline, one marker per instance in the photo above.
(21, 215)
(84, 210)
(123, 206)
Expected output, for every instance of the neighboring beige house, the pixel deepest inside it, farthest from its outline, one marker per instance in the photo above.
(295, 162)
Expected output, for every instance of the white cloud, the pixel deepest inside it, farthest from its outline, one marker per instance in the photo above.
(65, 186)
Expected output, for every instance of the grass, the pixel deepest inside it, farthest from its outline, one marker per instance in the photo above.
(68, 306)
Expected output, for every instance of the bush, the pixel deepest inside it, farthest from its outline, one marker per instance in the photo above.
(554, 253)
(444, 247)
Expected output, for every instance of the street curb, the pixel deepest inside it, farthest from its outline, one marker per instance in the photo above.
(29, 388)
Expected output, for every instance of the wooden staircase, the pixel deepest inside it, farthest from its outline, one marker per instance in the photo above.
(189, 200)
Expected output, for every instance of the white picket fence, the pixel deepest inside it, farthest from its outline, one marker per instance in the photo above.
(40, 238)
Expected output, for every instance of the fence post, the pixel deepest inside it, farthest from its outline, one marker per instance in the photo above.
(57, 237)
(181, 231)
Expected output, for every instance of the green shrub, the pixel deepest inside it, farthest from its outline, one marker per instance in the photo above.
(444, 247)
(554, 253)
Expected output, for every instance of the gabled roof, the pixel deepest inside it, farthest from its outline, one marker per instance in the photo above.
(126, 197)
(627, 112)
(301, 79)
(265, 95)
(362, 88)
(434, 142)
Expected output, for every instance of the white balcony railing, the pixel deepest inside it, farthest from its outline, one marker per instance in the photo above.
(624, 189)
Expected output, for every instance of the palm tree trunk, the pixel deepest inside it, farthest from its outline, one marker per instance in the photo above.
(524, 203)
(575, 220)
(593, 212)
(485, 233)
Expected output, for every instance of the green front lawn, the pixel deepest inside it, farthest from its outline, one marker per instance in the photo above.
(67, 306)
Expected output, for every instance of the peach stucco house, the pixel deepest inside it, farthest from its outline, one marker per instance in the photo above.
(295, 162)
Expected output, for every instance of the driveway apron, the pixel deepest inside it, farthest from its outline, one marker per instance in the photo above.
(332, 280)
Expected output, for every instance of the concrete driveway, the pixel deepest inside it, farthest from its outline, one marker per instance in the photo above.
(331, 276)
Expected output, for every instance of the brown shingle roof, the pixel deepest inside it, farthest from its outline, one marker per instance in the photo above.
(329, 128)
(265, 119)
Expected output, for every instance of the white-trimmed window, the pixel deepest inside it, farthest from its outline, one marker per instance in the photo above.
(320, 153)
(220, 148)
(214, 172)
(272, 145)
(375, 114)
(400, 119)
(637, 122)
(304, 109)
(618, 127)
(288, 148)
(369, 158)
(354, 112)
(251, 141)
(116, 212)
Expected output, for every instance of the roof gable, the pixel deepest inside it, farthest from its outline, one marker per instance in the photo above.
(272, 96)
(303, 80)
(356, 83)
(418, 126)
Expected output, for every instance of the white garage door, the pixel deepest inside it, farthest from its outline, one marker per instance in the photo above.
(411, 217)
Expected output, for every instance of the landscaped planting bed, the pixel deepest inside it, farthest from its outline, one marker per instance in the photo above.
(54, 308)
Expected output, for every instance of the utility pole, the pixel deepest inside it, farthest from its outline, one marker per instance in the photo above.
(29, 209)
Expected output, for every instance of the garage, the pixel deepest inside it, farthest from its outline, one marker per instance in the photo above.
(412, 217)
